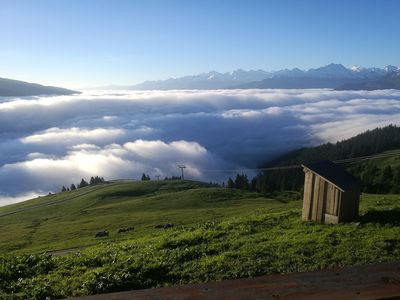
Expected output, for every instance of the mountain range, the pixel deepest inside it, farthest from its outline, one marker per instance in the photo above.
(16, 88)
(388, 81)
(334, 76)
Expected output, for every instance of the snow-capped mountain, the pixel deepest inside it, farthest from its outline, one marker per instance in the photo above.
(391, 68)
(391, 80)
(209, 80)
(329, 76)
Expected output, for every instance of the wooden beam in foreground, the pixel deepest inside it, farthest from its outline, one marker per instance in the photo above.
(381, 281)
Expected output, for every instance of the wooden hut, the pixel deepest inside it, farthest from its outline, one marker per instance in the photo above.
(331, 195)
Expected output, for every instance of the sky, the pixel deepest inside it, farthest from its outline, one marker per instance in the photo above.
(81, 43)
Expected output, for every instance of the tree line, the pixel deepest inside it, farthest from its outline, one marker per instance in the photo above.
(98, 180)
(378, 180)
(83, 183)
(375, 178)
(368, 143)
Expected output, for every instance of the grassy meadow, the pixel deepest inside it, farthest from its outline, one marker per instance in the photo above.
(218, 234)
(76, 216)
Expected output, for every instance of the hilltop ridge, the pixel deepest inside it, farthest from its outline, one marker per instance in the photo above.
(17, 88)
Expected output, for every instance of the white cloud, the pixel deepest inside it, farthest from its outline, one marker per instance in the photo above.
(85, 146)
(129, 160)
(6, 200)
(58, 140)
(73, 135)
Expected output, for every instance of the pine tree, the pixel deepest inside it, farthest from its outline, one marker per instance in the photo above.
(63, 189)
(242, 182)
(386, 179)
(73, 187)
(396, 181)
(145, 177)
(231, 184)
(83, 183)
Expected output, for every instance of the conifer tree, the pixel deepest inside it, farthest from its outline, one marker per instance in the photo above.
(231, 184)
(83, 183)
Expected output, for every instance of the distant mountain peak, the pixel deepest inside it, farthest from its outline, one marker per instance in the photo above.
(391, 68)
(334, 66)
(357, 68)
(331, 75)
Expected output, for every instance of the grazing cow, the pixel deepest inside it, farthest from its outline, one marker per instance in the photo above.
(164, 226)
(102, 234)
(121, 230)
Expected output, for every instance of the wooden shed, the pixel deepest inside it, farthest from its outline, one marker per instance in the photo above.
(331, 195)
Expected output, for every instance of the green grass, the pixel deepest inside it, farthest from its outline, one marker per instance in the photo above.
(218, 234)
(76, 216)
(393, 160)
(381, 160)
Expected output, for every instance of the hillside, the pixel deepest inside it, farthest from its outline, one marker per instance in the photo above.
(217, 234)
(369, 142)
(16, 88)
(71, 219)
(380, 174)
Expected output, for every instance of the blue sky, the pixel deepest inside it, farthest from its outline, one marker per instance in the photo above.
(77, 43)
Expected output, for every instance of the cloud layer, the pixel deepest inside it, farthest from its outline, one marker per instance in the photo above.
(53, 141)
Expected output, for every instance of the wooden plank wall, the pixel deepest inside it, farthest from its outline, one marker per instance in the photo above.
(315, 192)
(321, 199)
(308, 195)
(330, 199)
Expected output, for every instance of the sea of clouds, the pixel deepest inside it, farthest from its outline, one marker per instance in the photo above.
(47, 142)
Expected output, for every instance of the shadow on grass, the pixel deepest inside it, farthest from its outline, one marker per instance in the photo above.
(389, 216)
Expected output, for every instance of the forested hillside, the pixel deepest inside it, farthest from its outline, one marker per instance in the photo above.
(381, 174)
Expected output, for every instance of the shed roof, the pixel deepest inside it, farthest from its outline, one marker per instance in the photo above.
(334, 174)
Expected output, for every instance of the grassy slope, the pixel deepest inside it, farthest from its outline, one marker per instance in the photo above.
(223, 234)
(387, 158)
(75, 217)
